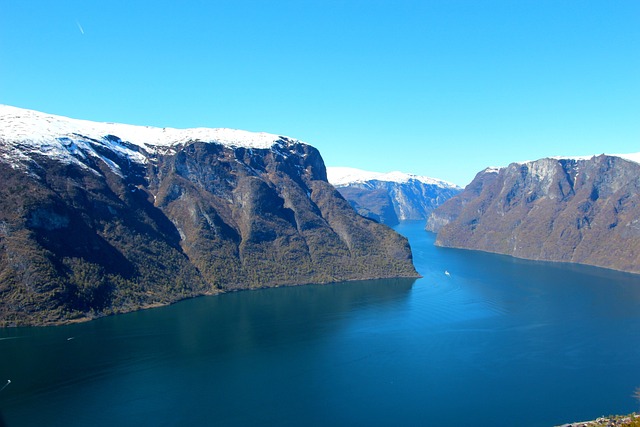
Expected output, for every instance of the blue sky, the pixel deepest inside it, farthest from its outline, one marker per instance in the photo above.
(437, 88)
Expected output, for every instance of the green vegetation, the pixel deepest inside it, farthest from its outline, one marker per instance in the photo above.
(77, 244)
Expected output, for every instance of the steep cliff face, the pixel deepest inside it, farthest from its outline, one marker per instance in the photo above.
(451, 208)
(391, 197)
(571, 210)
(101, 218)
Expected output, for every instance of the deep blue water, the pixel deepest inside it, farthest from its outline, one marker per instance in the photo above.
(497, 342)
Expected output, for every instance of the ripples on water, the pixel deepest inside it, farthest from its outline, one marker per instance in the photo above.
(496, 342)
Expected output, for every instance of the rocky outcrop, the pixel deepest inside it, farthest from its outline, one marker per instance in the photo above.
(571, 210)
(610, 421)
(95, 223)
(392, 197)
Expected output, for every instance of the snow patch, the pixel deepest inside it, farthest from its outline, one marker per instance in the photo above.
(492, 169)
(24, 132)
(343, 176)
(633, 157)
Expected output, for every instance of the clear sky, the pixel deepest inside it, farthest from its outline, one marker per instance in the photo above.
(433, 87)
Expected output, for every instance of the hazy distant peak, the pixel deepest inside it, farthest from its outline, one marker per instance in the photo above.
(342, 176)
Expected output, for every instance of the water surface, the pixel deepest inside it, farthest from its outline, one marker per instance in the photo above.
(496, 342)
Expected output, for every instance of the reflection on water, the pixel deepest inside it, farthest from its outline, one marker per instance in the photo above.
(497, 341)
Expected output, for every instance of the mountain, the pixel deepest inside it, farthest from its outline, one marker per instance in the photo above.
(102, 218)
(580, 210)
(390, 197)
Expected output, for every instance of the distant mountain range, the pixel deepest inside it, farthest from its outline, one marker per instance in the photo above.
(390, 197)
(581, 210)
(101, 218)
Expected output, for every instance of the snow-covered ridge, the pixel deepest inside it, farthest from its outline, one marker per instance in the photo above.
(342, 176)
(633, 157)
(58, 136)
(492, 169)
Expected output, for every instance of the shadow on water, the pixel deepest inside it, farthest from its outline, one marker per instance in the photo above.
(59, 368)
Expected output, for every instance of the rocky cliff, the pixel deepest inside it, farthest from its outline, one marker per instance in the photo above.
(579, 210)
(100, 218)
(391, 197)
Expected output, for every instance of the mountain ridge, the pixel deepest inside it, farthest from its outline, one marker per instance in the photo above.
(343, 176)
(567, 209)
(93, 224)
(390, 197)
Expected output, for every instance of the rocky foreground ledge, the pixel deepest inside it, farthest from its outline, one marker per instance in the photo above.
(610, 421)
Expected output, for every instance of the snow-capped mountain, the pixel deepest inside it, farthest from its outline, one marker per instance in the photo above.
(101, 218)
(27, 133)
(343, 176)
(390, 197)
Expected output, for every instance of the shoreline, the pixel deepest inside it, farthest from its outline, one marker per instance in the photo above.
(632, 419)
(85, 319)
